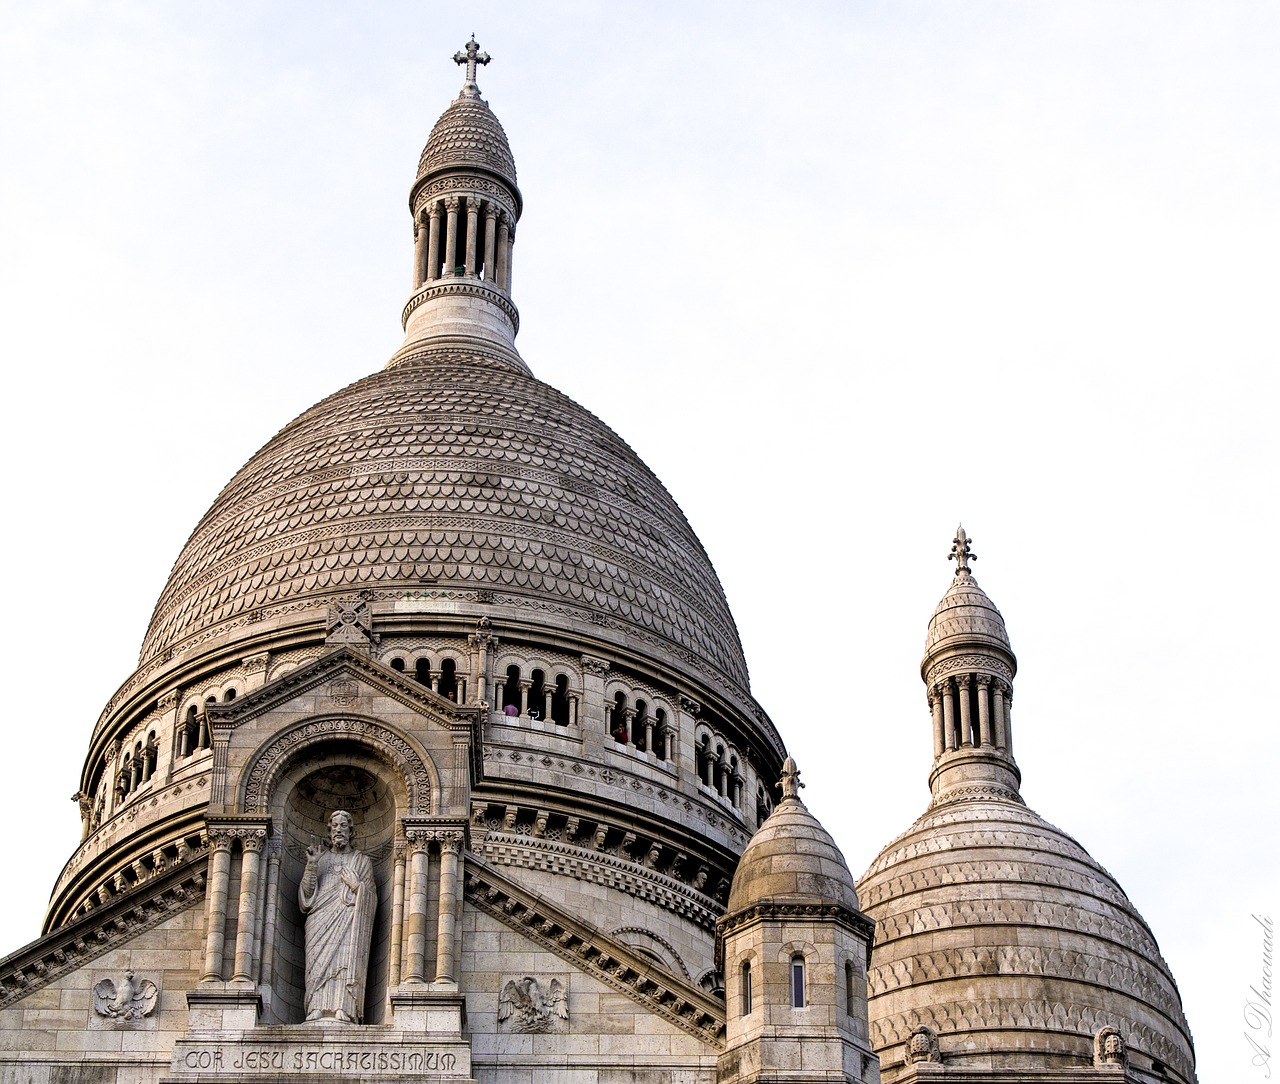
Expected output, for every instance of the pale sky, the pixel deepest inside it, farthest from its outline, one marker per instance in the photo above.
(843, 274)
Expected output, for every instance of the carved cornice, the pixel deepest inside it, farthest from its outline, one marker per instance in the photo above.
(461, 286)
(600, 868)
(593, 952)
(104, 928)
(783, 911)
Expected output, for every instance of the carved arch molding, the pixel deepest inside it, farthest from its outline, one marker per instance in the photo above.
(379, 741)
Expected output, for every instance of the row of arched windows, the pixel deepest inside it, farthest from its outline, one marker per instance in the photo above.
(717, 766)
(631, 721)
(538, 696)
(443, 679)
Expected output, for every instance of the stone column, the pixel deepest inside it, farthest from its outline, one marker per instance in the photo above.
(397, 915)
(510, 247)
(490, 238)
(573, 709)
(266, 963)
(417, 932)
(629, 719)
(939, 735)
(251, 841)
(419, 252)
(216, 913)
(547, 691)
(473, 236)
(450, 235)
(504, 253)
(966, 730)
(1008, 720)
(525, 686)
(949, 713)
(203, 742)
(433, 241)
(450, 898)
(669, 745)
(984, 708)
(648, 733)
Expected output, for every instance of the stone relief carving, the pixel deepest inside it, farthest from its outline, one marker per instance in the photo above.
(526, 1006)
(132, 1000)
(923, 1046)
(1109, 1049)
(349, 623)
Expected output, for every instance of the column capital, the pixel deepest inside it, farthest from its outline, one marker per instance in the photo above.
(964, 680)
(451, 203)
(252, 839)
(983, 680)
(450, 842)
(220, 839)
(491, 211)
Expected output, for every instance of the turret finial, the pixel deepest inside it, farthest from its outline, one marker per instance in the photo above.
(790, 782)
(470, 56)
(960, 553)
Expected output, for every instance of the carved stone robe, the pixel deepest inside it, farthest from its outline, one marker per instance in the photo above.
(338, 934)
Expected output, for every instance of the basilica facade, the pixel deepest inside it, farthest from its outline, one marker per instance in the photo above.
(441, 761)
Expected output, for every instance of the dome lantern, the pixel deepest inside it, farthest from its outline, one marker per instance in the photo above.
(465, 205)
(968, 670)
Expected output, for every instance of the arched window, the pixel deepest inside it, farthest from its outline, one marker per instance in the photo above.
(448, 687)
(797, 981)
(638, 725)
(618, 724)
(228, 696)
(511, 691)
(422, 671)
(848, 987)
(746, 989)
(660, 734)
(537, 694)
(397, 664)
(560, 701)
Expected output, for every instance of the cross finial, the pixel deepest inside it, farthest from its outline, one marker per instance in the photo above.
(960, 553)
(790, 782)
(471, 56)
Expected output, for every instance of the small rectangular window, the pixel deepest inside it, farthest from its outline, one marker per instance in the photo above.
(797, 982)
(746, 989)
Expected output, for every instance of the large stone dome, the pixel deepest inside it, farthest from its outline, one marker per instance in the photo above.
(1000, 933)
(468, 135)
(464, 478)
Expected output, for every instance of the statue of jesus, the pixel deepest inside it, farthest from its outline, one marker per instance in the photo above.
(339, 896)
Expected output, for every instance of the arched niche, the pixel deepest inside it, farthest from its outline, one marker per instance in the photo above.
(301, 778)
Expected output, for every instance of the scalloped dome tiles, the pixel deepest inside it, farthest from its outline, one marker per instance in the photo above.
(464, 475)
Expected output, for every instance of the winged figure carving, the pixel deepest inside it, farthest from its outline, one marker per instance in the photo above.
(525, 1006)
(131, 1000)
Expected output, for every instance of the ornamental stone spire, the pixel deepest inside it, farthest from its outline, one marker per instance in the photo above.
(968, 670)
(465, 206)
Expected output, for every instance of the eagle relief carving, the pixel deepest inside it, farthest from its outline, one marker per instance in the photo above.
(525, 1005)
(131, 1000)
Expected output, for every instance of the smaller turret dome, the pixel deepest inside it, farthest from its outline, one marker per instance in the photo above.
(965, 615)
(468, 135)
(792, 858)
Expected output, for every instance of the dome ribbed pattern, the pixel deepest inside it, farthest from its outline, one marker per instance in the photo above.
(467, 475)
(994, 928)
(468, 135)
(793, 858)
(965, 614)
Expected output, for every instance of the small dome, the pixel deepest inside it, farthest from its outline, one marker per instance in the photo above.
(965, 615)
(468, 136)
(792, 857)
(1003, 935)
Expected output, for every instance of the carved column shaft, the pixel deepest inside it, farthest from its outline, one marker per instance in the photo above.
(1008, 720)
(949, 714)
(966, 721)
(433, 243)
(473, 235)
(417, 933)
(939, 734)
(219, 876)
(984, 710)
(451, 235)
(397, 916)
(504, 254)
(450, 901)
(490, 238)
(419, 253)
(250, 864)
(266, 962)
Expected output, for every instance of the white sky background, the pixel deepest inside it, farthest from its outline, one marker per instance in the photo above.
(843, 275)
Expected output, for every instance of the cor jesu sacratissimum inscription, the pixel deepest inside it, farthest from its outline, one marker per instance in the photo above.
(316, 1059)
